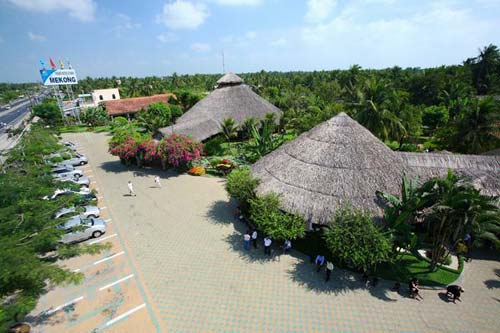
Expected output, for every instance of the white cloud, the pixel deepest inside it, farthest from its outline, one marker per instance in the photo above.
(238, 2)
(168, 37)
(200, 47)
(251, 35)
(125, 23)
(83, 10)
(319, 10)
(183, 14)
(278, 42)
(36, 38)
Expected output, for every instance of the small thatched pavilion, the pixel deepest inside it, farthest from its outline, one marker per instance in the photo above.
(340, 162)
(231, 99)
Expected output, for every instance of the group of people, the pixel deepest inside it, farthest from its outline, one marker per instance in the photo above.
(250, 238)
(320, 262)
(452, 291)
(130, 186)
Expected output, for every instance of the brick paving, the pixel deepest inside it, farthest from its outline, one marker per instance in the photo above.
(188, 251)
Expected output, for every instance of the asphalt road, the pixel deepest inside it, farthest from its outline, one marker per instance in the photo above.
(11, 118)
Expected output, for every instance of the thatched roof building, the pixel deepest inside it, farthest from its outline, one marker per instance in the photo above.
(340, 162)
(231, 99)
(130, 106)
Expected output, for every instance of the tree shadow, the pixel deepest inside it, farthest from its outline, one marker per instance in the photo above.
(235, 241)
(341, 281)
(492, 284)
(117, 167)
(43, 318)
(223, 212)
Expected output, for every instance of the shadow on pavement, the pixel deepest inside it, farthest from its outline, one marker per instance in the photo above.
(222, 212)
(117, 167)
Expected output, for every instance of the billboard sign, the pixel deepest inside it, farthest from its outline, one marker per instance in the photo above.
(56, 77)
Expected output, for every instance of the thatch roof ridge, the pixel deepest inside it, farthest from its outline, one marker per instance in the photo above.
(451, 161)
(229, 78)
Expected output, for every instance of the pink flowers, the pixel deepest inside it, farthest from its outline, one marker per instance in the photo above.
(176, 150)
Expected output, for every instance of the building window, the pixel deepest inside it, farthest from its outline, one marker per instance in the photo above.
(100, 98)
(114, 97)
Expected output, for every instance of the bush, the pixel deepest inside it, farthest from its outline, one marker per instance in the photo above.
(94, 116)
(49, 111)
(147, 150)
(356, 240)
(241, 186)
(126, 150)
(213, 145)
(178, 150)
(267, 216)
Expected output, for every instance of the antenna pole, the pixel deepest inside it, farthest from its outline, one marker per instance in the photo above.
(223, 66)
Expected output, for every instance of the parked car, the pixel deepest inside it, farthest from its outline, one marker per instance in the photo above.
(84, 211)
(79, 229)
(79, 159)
(74, 174)
(62, 168)
(82, 192)
(83, 181)
(69, 145)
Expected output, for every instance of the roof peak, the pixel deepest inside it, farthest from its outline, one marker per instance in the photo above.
(229, 79)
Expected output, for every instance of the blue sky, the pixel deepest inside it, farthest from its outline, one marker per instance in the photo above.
(149, 37)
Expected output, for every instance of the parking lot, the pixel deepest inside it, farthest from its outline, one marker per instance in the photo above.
(110, 299)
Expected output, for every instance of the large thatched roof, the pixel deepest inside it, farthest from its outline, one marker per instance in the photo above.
(340, 162)
(231, 99)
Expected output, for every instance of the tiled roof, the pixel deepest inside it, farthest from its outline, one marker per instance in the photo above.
(133, 105)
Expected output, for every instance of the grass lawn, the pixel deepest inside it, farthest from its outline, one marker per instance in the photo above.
(82, 128)
(410, 266)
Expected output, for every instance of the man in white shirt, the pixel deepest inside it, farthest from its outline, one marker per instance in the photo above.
(254, 238)
(267, 245)
(131, 189)
(157, 181)
(329, 269)
(246, 239)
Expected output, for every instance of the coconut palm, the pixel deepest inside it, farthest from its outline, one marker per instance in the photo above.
(229, 128)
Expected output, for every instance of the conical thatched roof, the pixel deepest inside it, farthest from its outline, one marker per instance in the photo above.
(340, 162)
(231, 99)
(335, 163)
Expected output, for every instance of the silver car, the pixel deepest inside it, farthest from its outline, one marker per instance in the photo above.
(85, 211)
(69, 145)
(79, 159)
(79, 229)
(62, 168)
(83, 192)
(75, 174)
(83, 181)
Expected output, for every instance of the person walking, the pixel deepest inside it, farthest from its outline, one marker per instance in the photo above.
(246, 239)
(329, 269)
(254, 238)
(157, 181)
(287, 246)
(320, 260)
(267, 245)
(131, 189)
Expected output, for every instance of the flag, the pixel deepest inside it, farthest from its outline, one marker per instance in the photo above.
(61, 63)
(42, 63)
(52, 63)
(69, 64)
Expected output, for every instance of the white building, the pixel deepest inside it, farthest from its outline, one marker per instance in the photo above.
(98, 96)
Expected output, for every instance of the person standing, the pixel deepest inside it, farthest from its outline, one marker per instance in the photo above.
(131, 189)
(267, 245)
(320, 260)
(254, 238)
(157, 181)
(329, 269)
(287, 246)
(246, 239)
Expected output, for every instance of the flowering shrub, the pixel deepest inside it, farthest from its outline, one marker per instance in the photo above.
(178, 150)
(197, 171)
(125, 150)
(147, 150)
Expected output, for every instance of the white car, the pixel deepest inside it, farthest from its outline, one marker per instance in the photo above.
(83, 191)
(83, 181)
(69, 145)
(75, 174)
(79, 159)
(78, 229)
(85, 212)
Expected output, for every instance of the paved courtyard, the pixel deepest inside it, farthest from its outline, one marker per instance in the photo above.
(189, 257)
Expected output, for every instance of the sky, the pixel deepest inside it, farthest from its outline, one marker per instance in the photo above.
(153, 37)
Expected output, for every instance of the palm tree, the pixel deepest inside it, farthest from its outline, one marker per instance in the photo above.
(229, 128)
(485, 68)
(478, 127)
(374, 111)
(247, 125)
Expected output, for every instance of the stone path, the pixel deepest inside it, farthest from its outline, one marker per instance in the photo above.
(189, 252)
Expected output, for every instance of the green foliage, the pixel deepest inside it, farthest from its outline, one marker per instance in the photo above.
(8, 96)
(156, 116)
(434, 117)
(485, 70)
(354, 239)
(94, 116)
(241, 185)
(229, 128)
(28, 231)
(213, 147)
(267, 216)
(49, 111)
